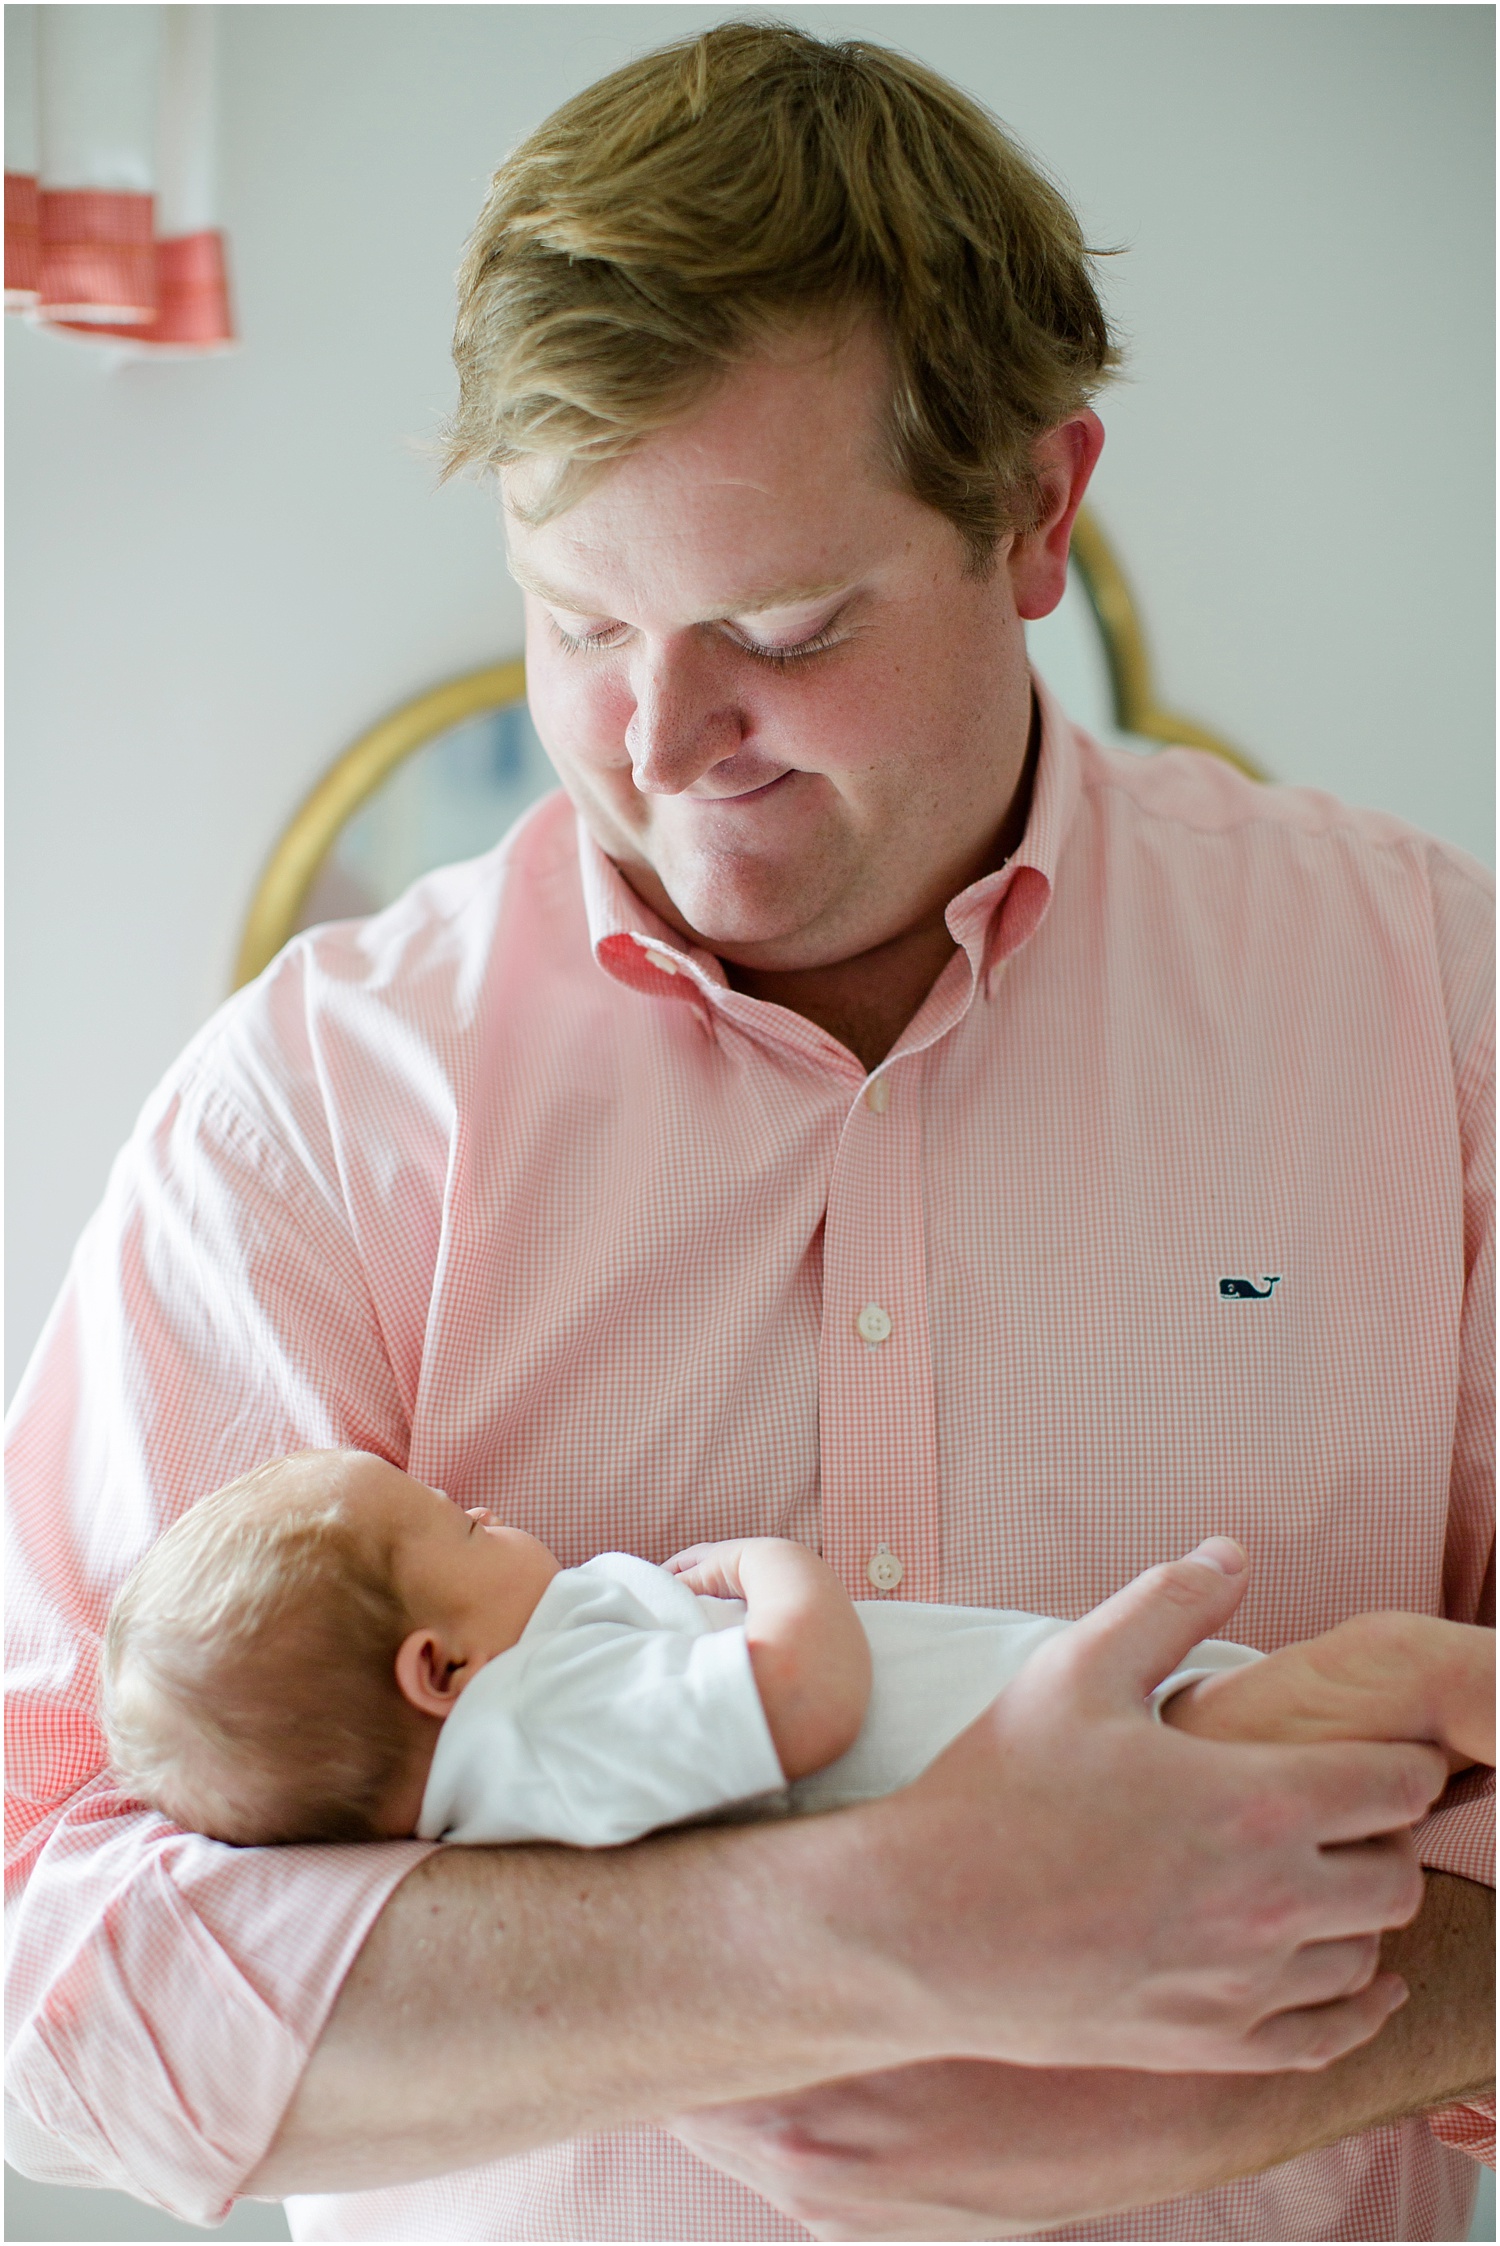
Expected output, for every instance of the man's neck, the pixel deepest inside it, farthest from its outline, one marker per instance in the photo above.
(866, 1002)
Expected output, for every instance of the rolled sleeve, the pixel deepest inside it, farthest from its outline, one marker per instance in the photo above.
(1469, 2127)
(164, 1991)
(1459, 1837)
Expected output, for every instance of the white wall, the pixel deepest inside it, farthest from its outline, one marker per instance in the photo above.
(220, 572)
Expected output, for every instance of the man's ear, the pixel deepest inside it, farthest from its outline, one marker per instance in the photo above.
(429, 1675)
(1064, 459)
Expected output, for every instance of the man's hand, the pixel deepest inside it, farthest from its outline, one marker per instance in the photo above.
(1142, 1898)
(959, 2150)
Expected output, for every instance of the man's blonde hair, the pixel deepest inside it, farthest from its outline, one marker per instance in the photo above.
(248, 1680)
(711, 195)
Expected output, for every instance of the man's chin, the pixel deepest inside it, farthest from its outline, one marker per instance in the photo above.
(751, 923)
(751, 942)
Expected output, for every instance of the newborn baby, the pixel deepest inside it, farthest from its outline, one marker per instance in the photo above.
(329, 1650)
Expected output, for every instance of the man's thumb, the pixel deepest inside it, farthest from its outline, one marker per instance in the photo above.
(1124, 1648)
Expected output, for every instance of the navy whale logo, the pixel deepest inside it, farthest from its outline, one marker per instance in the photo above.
(1245, 1290)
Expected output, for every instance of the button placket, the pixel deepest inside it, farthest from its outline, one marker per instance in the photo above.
(885, 1570)
(877, 1418)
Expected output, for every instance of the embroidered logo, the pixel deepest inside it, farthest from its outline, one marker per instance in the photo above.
(1245, 1290)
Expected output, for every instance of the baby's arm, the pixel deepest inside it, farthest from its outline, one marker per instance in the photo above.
(808, 1650)
(1379, 1676)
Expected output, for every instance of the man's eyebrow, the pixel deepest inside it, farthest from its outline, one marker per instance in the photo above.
(543, 591)
(756, 603)
(790, 596)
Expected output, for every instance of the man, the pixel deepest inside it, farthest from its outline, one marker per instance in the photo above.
(841, 1129)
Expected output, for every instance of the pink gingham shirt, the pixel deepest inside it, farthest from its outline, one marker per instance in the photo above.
(509, 1186)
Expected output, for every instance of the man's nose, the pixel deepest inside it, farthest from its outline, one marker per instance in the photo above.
(686, 719)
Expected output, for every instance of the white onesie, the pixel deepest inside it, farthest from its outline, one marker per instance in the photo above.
(628, 1703)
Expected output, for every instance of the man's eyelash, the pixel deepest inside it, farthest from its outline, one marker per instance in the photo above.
(588, 643)
(780, 658)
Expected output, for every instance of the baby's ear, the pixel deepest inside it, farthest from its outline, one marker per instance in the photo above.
(429, 1677)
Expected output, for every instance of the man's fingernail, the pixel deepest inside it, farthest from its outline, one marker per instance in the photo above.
(1220, 1553)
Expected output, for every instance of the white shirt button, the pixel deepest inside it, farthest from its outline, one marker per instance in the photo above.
(878, 1094)
(661, 963)
(873, 1324)
(885, 1570)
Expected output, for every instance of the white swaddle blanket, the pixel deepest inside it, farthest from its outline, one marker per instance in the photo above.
(628, 1703)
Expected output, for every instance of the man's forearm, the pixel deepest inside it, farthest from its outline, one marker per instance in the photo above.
(974, 2151)
(1439, 2046)
(692, 1983)
(507, 1998)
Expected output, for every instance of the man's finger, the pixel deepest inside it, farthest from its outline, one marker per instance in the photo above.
(1380, 1891)
(1323, 1972)
(1123, 1649)
(1357, 1789)
(1306, 2041)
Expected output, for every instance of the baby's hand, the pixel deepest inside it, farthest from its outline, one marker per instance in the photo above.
(712, 1570)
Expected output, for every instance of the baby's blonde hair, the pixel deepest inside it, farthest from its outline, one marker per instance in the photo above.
(248, 1678)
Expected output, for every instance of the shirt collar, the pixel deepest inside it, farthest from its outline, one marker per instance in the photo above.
(997, 914)
(631, 942)
(990, 920)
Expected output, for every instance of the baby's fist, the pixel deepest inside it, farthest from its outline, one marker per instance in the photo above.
(712, 1570)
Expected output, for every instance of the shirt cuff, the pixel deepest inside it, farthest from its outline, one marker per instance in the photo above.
(1458, 1835)
(1469, 2127)
(160, 2056)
